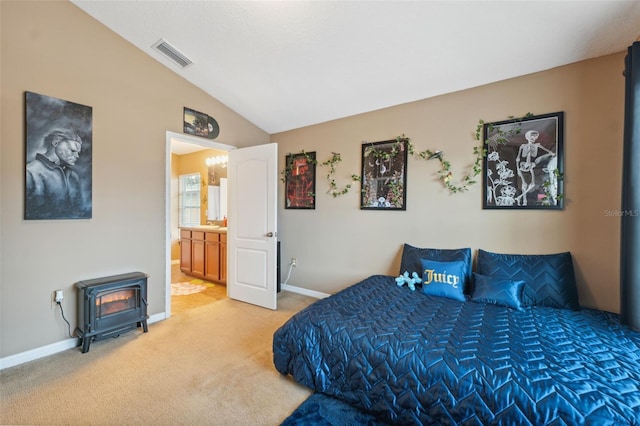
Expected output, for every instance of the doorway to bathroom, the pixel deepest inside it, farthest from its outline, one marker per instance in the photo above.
(189, 156)
(251, 268)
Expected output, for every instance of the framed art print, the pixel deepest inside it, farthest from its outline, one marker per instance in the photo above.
(58, 159)
(384, 175)
(523, 165)
(300, 181)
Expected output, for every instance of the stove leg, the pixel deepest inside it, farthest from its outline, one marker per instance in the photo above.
(86, 341)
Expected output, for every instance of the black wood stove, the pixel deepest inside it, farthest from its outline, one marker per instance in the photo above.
(110, 306)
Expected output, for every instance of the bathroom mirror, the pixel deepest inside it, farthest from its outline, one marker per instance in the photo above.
(216, 187)
(217, 196)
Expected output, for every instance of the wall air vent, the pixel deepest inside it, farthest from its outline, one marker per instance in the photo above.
(172, 53)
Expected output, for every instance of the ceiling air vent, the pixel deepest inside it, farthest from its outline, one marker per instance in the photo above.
(172, 53)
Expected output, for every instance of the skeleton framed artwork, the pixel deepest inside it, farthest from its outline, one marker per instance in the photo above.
(523, 166)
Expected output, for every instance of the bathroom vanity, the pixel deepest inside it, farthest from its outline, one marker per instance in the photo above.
(203, 252)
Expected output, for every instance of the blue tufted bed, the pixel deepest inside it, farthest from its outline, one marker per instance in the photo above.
(508, 345)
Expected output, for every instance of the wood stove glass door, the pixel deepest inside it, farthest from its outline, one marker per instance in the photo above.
(114, 302)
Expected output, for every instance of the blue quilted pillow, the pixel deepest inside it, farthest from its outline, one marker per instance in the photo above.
(549, 278)
(445, 279)
(497, 291)
(412, 257)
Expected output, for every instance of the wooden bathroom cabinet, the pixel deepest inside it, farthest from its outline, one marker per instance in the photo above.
(203, 253)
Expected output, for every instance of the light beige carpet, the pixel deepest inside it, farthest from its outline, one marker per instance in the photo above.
(210, 365)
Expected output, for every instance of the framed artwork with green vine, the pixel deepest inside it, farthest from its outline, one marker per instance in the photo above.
(384, 175)
(300, 181)
(523, 165)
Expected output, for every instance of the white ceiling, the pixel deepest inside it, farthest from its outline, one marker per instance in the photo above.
(289, 64)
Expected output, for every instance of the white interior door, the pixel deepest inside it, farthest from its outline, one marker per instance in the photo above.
(252, 225)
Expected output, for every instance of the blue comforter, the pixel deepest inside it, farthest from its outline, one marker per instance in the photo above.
(409, 358)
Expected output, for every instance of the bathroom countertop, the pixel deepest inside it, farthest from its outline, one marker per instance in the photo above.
(207, 228)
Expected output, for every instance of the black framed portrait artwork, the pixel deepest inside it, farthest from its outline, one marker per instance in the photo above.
(58, 163)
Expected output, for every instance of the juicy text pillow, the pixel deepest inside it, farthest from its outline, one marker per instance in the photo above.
(412, 257)
(445, 279)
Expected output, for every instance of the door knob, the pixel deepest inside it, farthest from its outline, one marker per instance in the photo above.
(269, 234)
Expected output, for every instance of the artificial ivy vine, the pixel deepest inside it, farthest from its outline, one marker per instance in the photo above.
(333, 187)
(445, 174)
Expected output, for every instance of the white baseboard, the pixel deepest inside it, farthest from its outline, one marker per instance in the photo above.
(33, 354)
(63, 345)
(53, 348)
(157, 317)
(304, 291)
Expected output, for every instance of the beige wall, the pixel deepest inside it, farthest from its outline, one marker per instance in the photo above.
(338, 244)
(55, 49)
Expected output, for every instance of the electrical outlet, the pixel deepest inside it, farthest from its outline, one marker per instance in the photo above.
(58, 296)
(294, 262)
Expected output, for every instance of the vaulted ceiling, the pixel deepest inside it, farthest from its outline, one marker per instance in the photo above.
(289, 64)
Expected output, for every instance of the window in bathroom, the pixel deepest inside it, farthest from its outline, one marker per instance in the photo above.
(189, 199)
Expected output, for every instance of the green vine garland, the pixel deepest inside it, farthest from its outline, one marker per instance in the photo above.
(445, 174)
(333, 187)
